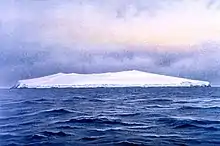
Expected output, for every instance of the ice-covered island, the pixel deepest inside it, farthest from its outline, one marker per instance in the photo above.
(114, 79)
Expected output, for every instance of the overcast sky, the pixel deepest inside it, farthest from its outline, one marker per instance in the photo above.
(171, 37)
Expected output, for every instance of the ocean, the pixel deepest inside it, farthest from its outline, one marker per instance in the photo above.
(110, 116)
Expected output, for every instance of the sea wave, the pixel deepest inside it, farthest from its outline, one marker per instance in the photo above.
(112, 116)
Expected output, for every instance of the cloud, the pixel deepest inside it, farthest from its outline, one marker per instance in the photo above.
(185, 22)
(177, 38)
(181, 23)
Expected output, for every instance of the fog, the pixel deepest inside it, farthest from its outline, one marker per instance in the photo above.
(39, 38)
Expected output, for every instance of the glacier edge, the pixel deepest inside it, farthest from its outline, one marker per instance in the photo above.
(113, 79)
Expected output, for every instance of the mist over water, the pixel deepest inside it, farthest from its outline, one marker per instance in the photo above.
(24, 63)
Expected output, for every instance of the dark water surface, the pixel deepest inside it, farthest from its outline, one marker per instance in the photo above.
(110, 116)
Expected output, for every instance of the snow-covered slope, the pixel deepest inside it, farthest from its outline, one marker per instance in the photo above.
(117, 79)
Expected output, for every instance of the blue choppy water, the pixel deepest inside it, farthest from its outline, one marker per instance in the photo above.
(110, 116)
